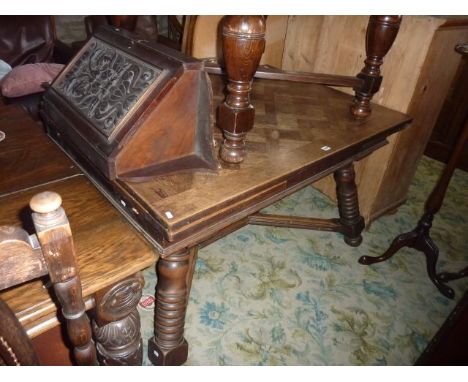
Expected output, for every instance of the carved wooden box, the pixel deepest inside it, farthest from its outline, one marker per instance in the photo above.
(132, 109)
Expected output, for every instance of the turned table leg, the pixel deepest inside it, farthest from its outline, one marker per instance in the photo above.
(175, 272)
(381, 33)
(348, 205)
(116, 323)
(243, 45)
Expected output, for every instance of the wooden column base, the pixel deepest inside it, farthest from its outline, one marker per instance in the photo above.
(160, 356)
(119, 343)
(168, 346)
(233, 147)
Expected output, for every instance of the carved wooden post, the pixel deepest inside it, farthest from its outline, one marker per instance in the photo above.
(168, 346)
(243, 45)
(116, 324)
(54, 234)
(348, 205)
(381, 33)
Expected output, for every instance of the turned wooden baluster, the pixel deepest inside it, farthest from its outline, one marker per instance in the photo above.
(381, 33)
(54, 234)
(348, 205)
(175, 272)
(243, 46)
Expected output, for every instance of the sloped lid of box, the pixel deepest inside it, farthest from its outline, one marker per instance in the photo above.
(132, 108)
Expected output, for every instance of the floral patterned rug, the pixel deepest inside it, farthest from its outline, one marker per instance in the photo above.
(278, 296)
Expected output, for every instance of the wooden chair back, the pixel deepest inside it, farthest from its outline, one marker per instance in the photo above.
(26, 257)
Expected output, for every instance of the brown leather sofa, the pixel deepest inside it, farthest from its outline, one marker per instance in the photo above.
(29, 40)
(145, 27)
(32, 39)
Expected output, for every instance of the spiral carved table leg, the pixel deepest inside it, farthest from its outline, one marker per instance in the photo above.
(116, 325)
(348, 205)
(168, 346)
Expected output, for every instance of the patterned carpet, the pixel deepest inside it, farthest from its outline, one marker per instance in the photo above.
(277, 296)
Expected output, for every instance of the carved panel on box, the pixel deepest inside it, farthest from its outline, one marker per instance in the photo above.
(105, 83)
(132, 109)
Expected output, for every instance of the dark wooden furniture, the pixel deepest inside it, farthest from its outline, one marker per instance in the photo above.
(26, 257)
(452, 118)
(302, 132)
(109, 271)
(243, 45)
(115, 107)
(30, 40)
(298, 138)
(417, 72)
(146, 27)
(420, 238)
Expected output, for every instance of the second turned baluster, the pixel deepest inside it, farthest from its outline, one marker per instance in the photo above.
(381, 33)
(243, 46)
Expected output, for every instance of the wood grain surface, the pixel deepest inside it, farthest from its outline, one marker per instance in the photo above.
(420, 60)
(99, 232)
(432, 87)
(206, 38)
(27, 157)
(294, 122)
(33, 163)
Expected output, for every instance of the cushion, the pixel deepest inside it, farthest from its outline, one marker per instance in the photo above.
(27, 79)
(5, 68)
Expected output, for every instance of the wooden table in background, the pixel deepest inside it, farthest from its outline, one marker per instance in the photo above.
(110, 272)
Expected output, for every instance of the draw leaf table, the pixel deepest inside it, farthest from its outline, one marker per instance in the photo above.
(302, 132)
(138, 120)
